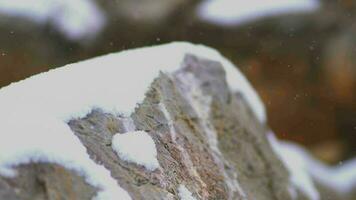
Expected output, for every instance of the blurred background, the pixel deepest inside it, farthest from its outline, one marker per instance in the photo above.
(300, 55)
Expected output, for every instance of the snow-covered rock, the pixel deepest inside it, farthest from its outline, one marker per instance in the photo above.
(76, 19)
(71, 130)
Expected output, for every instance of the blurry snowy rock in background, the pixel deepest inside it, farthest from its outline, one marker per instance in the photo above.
(77, 19)
(299, 176)
(143, 12)
(314, 178)
(236, 12)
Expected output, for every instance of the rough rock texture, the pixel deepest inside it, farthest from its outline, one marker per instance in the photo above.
(207, 139)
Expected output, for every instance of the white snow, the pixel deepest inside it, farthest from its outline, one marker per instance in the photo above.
(236, 12)
(34, 111)
(76, 19)
(341, 179)
(184, 193)
(137, 147)
(114, 83)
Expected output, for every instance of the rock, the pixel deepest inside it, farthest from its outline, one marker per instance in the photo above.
(207, 137)
(45, 181)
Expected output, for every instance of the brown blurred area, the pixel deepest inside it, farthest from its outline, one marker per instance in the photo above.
(302, 65)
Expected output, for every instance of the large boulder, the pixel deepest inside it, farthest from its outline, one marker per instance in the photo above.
(176, 121)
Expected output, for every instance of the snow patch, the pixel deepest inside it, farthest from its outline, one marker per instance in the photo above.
(137, 147)
(170, 121)
(184, 193)
(77, 19)
(236, 12)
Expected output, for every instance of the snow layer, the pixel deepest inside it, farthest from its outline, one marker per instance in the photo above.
(76, 19)
(137, 147)
(236, 12)
(303, 167)
(34, 111)
(184, 193)
(114, 83)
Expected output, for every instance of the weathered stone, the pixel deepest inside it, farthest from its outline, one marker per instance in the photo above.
(45, 181)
